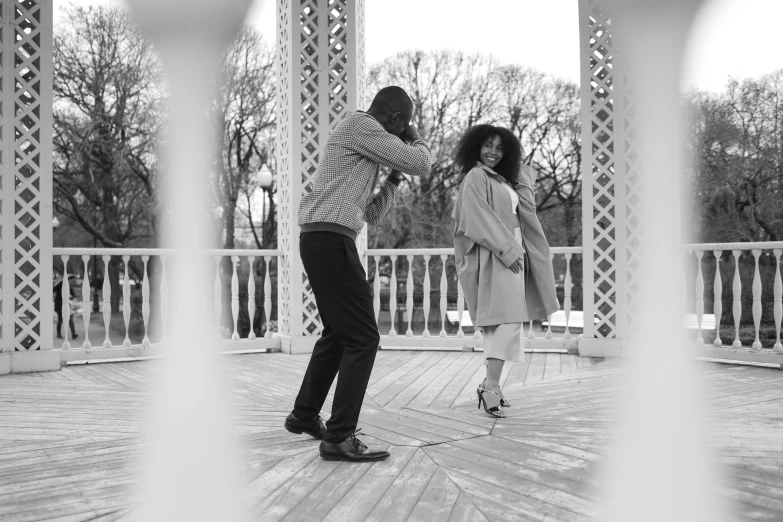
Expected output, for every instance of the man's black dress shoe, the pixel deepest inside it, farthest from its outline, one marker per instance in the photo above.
(350, 450)
(315, 429)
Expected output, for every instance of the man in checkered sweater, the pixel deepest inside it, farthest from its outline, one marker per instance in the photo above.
(330, 217)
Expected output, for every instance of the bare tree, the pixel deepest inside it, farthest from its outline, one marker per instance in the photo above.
(557, 159)
(738, 142)
(451, 92)
(107, 118)
(245, 116)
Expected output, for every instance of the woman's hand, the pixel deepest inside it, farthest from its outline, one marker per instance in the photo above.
(516, 266)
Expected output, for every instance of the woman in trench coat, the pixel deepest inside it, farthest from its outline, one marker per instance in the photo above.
(502, 256)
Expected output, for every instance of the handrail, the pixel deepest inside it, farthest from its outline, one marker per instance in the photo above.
(63, 251)
(450, 251)
(763, 245)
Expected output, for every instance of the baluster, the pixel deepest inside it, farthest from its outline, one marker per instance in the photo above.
(567, 295)
(393, 296)
(126, 304)
(376, 289)
(66, 309)
(699, 295)
(444, 288)
(736, 289)
(251, 295)
(234, 296)
(426, 296)
(778, 307)
(409, 296)
(548, 334)
(164, 299)
(267, 297)
(460, 308)
(717, 307)
(218, 295)
(86, 303)
(530, 333)
(106, 301)
(145, 303)
(756, 298)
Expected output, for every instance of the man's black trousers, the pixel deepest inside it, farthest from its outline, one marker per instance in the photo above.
(349, 341)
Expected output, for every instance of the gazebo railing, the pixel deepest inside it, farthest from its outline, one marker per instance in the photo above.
(415, 301)
(423, 282)
(142, 297)
(740, 283)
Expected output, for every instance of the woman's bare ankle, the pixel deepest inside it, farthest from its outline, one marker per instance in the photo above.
(492, 386)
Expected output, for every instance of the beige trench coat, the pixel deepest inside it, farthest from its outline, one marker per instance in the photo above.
(485, 247)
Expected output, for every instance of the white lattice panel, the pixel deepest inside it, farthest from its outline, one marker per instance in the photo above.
(26, 163)
(633, 202)
(320, 64)
(285, 185)
(603, 176)
(313, 131)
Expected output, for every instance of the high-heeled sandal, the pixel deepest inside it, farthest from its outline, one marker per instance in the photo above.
(503, 401)
(495, 411)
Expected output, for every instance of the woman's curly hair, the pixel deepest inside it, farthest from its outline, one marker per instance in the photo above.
(469, 149)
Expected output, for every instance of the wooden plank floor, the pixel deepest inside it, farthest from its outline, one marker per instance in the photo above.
(70, 440)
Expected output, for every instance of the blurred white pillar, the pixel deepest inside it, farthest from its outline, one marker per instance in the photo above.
(26, 303)
(190, 471)
(659, 466)
(321, 70)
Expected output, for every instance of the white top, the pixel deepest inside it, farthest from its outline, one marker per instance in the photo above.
(514, 197)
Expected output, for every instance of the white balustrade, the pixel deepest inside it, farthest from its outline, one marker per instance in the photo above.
(764, 270)
(450, 299)
(134, 281)
(418, 288)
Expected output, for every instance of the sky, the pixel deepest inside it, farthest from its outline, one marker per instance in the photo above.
(739, 38)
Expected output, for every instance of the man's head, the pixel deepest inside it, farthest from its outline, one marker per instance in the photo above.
(393, 109)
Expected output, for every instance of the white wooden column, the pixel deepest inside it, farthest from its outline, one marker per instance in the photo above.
(610, 204)
(26, 162)
(320, 65)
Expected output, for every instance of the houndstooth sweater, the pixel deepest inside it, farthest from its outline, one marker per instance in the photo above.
(343, 189)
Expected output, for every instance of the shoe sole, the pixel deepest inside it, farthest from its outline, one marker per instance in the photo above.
(332, 457)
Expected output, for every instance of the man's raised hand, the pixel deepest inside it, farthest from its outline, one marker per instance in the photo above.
(410, 134)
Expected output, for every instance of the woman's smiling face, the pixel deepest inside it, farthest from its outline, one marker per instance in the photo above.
(491, 151)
